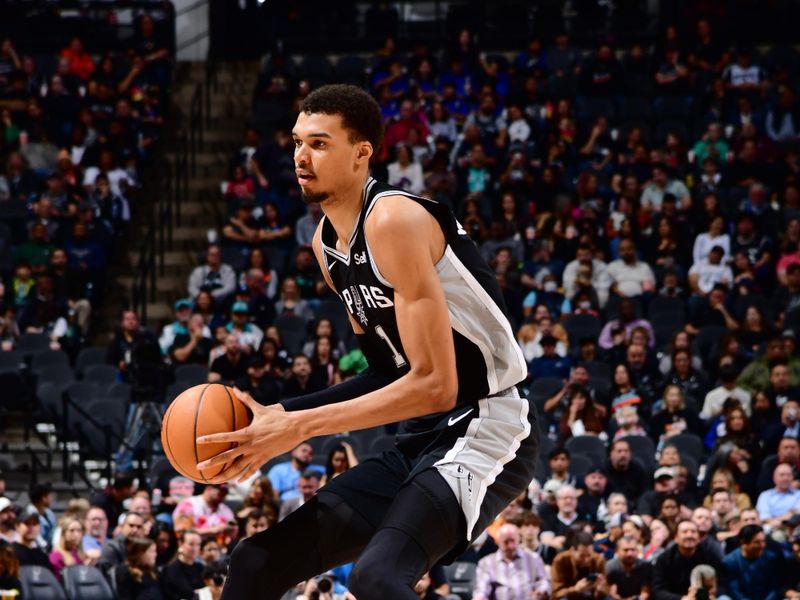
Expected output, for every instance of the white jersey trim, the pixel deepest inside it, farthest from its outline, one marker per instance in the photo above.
(345, 258)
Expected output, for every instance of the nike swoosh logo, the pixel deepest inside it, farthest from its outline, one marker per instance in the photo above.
(453, 420)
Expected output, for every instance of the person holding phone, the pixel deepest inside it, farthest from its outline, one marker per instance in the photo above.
(580, 571)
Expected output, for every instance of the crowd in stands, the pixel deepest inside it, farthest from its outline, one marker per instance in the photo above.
(640, 207)
(76, 130)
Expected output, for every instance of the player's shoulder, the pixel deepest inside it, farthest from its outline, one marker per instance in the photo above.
(396, 214)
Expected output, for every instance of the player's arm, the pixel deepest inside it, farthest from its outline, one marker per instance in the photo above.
(406, 242)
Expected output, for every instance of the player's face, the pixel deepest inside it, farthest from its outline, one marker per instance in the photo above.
(326, 161)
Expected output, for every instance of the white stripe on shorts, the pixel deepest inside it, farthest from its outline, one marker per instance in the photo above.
(491, 441)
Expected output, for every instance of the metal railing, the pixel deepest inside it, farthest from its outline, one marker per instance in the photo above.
(173, 192)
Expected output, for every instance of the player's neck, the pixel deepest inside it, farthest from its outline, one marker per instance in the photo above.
(343, 209)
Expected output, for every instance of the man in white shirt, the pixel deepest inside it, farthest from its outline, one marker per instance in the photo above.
(705, 275)
(712, 406)
(511, 572)
(630, 277)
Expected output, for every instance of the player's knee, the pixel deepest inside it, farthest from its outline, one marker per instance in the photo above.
(372, 580)
(250, 562)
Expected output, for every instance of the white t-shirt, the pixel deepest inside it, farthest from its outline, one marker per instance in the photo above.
(709, 275)
(114, 177)
(630, 279)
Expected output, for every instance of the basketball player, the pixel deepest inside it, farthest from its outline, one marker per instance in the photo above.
(429, 317)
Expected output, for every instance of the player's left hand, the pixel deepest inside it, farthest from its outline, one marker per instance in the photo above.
(270, 433)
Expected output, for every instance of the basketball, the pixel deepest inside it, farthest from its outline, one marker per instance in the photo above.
(200, 410)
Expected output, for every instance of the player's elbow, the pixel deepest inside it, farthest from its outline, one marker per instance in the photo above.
(441, 391)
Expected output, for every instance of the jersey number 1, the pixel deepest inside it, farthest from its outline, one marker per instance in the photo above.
(399, 361)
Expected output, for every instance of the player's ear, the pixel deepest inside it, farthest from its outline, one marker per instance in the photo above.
(364, 152)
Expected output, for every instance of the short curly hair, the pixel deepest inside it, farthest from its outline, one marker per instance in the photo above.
(360, 113)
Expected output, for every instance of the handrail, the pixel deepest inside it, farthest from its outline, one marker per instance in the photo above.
(108, 433)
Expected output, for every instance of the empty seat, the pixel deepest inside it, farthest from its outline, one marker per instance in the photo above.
(286, 323)
(635, 108)
(101, 374)
(352, 69)
(58, 374)
(587, 445)
(51, 358)
(107, 414)
(16, 394)
(461, 576)
(40, 584)
(88, 357)
(12, 359)
(597, 368)
(191, 374)
(579, 465)
(84, 582)
(33, 343)
(316, 69)
(81, 391)
(664, 305)
(688, 444)
(582, 326)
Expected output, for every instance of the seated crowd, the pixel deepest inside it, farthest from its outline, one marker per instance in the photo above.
(640, 208)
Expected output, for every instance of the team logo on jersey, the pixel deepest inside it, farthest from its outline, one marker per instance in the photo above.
(360, 258)
(358, 305)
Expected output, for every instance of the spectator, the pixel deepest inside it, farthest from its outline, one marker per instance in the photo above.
(512, 571)
(114, 552)
(556, 526)
(782, 501)
(184, 575)
(579, 572)
(672, 569)
(96, 535)
(628, 575)
(618, 331)
(206, 513)
(28, 547)
(307, 225)
(307, 486)
(113, 497)
(136, 578)
(214, 575)
(192, 345)
(41, 496)
(549, 364)
(581, 416)
(753, 571)
(265, 389)
(9, 570)
(405, 172)
(284, 476)
(214, 276)
(230, 366)
(654, 193)
(130, 335)
(712, 405)
(290, 303)
(630, 276)
(69, 550)
(625, 475)
(301, 381)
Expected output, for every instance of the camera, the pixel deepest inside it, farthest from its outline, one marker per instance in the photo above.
(324, 584)
(591, 577)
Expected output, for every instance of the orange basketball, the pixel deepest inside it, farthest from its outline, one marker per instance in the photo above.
(201, 410)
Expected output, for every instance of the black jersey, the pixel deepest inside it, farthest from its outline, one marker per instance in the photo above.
(488, 359)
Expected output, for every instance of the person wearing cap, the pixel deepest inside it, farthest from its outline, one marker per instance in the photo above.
(264, 388)
(230, 366)
(753, 571)
(194, 345)
(663, 486)
(250, 334)
(549, 364)
(28, 547)
(183, 310)
(206, 513)
(8, 521)
(628, 576)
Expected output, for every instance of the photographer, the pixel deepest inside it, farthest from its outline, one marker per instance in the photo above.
(321, 588)
(214, 575)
